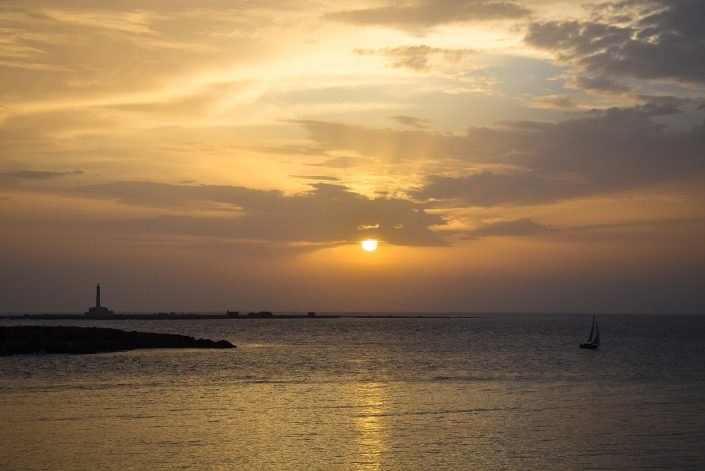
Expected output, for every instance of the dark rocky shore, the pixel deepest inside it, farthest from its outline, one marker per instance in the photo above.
(33, 339)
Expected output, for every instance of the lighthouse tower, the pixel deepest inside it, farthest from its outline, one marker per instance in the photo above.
(98, 310)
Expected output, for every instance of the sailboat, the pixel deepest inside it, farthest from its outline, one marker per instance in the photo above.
(594, 339)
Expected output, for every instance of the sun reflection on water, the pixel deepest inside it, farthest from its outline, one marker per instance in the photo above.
(369, 424)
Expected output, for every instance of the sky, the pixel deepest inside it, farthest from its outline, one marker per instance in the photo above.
(509, 156)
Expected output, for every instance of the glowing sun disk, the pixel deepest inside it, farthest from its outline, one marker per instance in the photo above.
(369, 245)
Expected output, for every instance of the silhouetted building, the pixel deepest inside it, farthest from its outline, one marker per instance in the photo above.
(98, 310)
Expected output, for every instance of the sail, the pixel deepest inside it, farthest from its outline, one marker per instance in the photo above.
(592, 330)
(596, 340)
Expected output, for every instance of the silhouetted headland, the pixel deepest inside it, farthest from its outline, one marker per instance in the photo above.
(59, 339)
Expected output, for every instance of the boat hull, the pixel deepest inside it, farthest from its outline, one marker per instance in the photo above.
(589, 346)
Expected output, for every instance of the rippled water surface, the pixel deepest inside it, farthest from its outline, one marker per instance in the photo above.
(497, 392)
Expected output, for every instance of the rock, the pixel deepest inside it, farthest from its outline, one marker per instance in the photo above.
(31, 339)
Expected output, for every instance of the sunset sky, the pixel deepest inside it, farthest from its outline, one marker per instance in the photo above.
(223, 154)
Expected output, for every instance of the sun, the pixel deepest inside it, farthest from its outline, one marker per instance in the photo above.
(369, 245)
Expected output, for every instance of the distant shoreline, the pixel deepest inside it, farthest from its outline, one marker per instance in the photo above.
(166, 317)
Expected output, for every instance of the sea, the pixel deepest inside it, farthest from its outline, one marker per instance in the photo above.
(484, 392)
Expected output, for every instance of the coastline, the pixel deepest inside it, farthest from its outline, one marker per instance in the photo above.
(186, 316)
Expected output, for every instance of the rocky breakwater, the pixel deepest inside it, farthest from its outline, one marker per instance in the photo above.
(34, 339)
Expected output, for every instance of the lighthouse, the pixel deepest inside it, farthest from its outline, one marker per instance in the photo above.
(98, 310)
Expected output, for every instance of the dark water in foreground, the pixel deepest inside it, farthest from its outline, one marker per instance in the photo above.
(501, 392)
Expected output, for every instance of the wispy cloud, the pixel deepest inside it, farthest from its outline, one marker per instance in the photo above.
(512, 228)
(423, 14)
(418, 123)
(322, 178)
(39, 174)
(418, 57)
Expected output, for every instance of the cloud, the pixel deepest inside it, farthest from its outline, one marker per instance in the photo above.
(526, 227)
(163, 195)
(513, 228)
(657, 39)
(461, 70)
(419, 57)
(428, 13)
(527, 162)
(557, 102)
(39, 174)
(288, 150)
(667, 104)
(491, 189)
(343, 162)
(196, 102)
(412, 122)
(92, 52)
(328, 213)
(322, 178)
(597, 85)
(381, 142)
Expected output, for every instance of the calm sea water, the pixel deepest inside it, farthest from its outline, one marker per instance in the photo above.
(499, 392)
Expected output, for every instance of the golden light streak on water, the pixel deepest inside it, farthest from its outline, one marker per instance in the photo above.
(369, 424)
